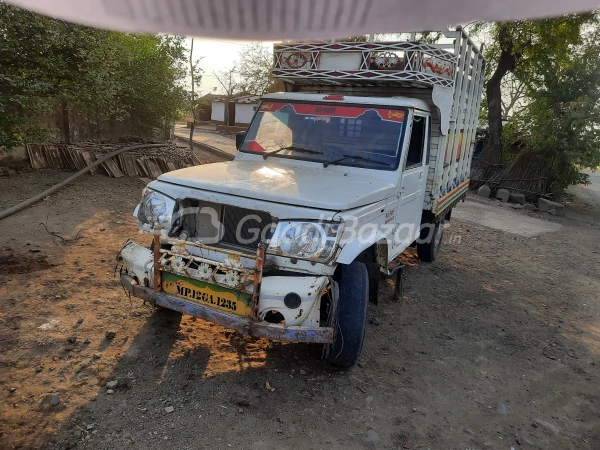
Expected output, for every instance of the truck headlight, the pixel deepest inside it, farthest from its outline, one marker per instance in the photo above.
(313, 241)
(156, 209)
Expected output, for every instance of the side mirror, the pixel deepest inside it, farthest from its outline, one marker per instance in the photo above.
(239, 139)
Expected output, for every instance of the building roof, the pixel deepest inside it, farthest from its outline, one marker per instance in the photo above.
(241, 97)
(210, 96)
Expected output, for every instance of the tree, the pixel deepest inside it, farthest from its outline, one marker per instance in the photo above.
(513, 94)
(52, 68)
(517, 47)
(195, 74)
(561, 119)
(228, 80)
(150, 75)
(429, 37)
(39, 62)
(542, 77)
(255, 70)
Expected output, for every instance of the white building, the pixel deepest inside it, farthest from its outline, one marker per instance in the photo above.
(218, 111)
(241, 109)
(244, 108)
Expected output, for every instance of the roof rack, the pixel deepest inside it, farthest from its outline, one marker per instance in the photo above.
(389, 64)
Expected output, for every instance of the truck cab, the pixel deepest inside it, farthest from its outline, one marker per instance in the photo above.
(332, 181)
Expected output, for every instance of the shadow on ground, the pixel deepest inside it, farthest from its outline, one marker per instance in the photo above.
(467, 359)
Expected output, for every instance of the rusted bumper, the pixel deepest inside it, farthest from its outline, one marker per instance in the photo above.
(244, 325)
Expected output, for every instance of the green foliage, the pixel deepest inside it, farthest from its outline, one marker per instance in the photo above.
(556, 65)
(101, 75)
(561, 118)
(193, 99)
(532, 41)
(148, 70)
(254, 71)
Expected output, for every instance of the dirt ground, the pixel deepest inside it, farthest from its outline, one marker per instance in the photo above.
(495, 345)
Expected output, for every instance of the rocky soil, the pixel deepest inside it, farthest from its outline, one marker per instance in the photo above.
(496, 345)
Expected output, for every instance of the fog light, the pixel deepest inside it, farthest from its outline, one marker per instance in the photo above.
(292, 300)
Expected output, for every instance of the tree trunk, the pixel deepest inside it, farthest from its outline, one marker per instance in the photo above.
(66, 125)
(506, 63)
(192, 134)
(193, 98)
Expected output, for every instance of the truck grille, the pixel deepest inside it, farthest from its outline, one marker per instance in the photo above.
(251, 225)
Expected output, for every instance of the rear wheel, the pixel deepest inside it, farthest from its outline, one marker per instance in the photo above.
(430, 240)
(353, 281)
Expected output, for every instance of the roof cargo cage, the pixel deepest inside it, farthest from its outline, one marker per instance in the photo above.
(389, 64)
(447, 74)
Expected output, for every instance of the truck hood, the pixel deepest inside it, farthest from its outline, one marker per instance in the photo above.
(314, 187)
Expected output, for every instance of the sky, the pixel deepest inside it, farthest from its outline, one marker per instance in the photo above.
(217, 55)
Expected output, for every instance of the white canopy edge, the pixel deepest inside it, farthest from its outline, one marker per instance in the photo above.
(293, 19)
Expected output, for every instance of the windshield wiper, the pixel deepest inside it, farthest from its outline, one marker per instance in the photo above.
(291, 147)
(360, 158)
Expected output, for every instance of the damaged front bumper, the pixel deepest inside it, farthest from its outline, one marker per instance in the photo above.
(142, 270)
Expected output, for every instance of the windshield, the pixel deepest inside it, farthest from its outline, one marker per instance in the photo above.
(359, 136)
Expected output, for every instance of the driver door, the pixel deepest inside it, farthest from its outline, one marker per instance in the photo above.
(413, 181)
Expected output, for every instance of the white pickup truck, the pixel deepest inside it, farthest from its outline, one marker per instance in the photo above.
(364, 155)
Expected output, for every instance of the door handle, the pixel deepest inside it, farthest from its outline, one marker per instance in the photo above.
(421, 175)
(400, 192)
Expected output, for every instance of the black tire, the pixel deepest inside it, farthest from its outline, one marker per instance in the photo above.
(429, 244)
(374, 276)
(353, 280)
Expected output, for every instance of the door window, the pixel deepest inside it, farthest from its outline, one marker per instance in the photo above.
(417, 143)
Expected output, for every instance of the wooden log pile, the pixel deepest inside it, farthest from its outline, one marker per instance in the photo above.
(148, 163)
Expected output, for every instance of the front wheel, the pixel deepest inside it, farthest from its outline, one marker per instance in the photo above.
(430, 240)
(353, 281)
